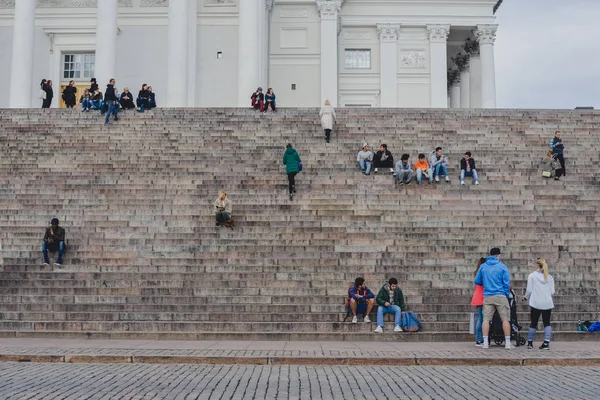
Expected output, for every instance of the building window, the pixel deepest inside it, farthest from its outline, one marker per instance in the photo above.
(79, 66)
(357, 59)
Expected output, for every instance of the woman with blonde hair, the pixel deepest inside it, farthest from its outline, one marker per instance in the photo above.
(328, 117)
(477, 302)
(550, 166)
(540, 289)
(223, 210)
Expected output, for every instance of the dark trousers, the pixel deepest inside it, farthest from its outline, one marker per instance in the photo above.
(327, 134)
(258, 105)
(561, 159)
(535, 317)
(292, 181)
(222, 216)
(272, 104)
(46, 103)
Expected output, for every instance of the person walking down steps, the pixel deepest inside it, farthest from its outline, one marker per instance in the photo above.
(293, 165)
(328, 117)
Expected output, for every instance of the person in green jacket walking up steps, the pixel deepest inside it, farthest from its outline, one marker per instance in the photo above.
(291, 160)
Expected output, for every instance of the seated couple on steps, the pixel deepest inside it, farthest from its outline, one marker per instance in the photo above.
(389, 299)
(262, 101)
(146, 99)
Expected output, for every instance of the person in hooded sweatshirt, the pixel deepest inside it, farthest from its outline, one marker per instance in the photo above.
(404, 171)
(111, 99)
(69, 95)
(93, 86)
(291, 160)
(540, 289)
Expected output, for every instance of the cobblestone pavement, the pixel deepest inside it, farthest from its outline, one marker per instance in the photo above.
(143, 381)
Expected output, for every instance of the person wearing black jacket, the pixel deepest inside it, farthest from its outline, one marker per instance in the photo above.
(49, 94)
(54, 240)
(93, 86)
(151, 98)
(258, 100)
(142, 99)
(467, 168)
(383, 159)
(126, 100)
(69, 95)
(110, 98)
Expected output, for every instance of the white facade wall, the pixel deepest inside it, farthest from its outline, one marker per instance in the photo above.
(290, 54)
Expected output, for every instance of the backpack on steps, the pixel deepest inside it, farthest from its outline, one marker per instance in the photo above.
(409, 322)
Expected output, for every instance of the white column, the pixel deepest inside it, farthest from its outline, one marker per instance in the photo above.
(486, 35)
(106, 42)
(249, 36)
(475, 81)
(177, 57)
(192, 56)
(388, 65)
(465, 89)
(21, 78)
(438, 64)
(455, 96)
(329, 49)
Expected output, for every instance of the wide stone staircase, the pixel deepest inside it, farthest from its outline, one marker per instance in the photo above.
(145, 259)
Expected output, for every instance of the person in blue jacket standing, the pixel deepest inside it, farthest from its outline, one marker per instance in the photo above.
(558, 148)
(495, 279)
(291, 160)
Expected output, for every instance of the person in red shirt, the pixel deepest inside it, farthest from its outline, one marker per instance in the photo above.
(477, 302)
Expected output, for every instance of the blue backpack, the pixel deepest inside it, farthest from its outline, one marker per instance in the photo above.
(595, 327)
(410, 323)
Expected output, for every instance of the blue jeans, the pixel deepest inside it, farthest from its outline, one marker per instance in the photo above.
(86, 104)
(472, 173)
(479, 324)
(365, 166)
(142, 103)
(61, 251)
(420, 175)
(388, 310)
(441, 170)
(112, 109)
(98, 105)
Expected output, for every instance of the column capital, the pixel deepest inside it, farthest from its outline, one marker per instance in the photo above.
(388, 32)
(329, 9)
(486, 34)
(438, 33)
(269, 5)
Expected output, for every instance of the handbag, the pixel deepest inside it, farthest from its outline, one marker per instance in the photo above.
(42, 94)
(546, 174)
(299, 166)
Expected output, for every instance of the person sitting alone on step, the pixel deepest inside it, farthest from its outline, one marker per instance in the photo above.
(223, 210)
(551, 166)
(126, 100)
(383, 159)
(404, 171)
(390, 301)
(258, 100)
(54, 240)
(364, 158)
(422, 169)
(439, 164)
(467, 168)
(361, 300)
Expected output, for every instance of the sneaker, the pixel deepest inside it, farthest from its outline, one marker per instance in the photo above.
(354, 319)
(294, 188)
(556, 178)
(462, 182)
(478, 344)
(391, 171)
(529, 345)
(477, 183)
(44, 264)
(408, 183)
(375, 171)
(367, 319)
(378, 330)
(291, 196)
(397, 329)
(400, 183)
(108, 123)
(509, 347)
(448, 179)
(56, 263)
(486, 345)
(437, 178)
(545, 346)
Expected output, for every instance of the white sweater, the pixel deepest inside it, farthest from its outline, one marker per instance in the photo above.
(539, 291)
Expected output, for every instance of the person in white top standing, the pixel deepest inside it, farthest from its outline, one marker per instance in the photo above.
(328, 117)
(540, 289)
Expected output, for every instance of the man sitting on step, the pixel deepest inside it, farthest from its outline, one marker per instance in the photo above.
(364, 159)
(361, 300)
(404, 172)
(467, 168)
(390, 301)
(439, 164)
(383, 159)
(54, 240)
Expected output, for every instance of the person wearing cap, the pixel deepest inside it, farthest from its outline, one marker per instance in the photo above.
(54, 240)
(364, 159)
(258, 100)
(93, 85)
(494, 277)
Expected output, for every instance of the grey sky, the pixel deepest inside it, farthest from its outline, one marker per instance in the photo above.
(548, 54)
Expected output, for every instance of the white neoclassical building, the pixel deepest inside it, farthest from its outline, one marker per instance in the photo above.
(214, 53)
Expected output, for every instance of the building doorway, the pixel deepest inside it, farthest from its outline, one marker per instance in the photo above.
(79, 67)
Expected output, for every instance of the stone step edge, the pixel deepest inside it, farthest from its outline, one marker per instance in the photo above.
(317, 360)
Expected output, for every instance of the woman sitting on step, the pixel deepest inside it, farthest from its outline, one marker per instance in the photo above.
(223, 210)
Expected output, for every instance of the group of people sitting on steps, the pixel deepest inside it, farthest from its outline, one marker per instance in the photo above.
(93, 99)
(262, 101)
(432, 170)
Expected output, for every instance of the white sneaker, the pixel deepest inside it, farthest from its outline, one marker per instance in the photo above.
(44, 264)
(367, 319)
(437, 178)
(486, 345)
(57, 264)
(462, 182)
(477, 183)
(447, 179)
(397, 329)
(378, 330)
(509, 347)
(354, 319)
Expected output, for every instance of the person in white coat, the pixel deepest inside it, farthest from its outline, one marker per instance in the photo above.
(328, 117)
(540, 289)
